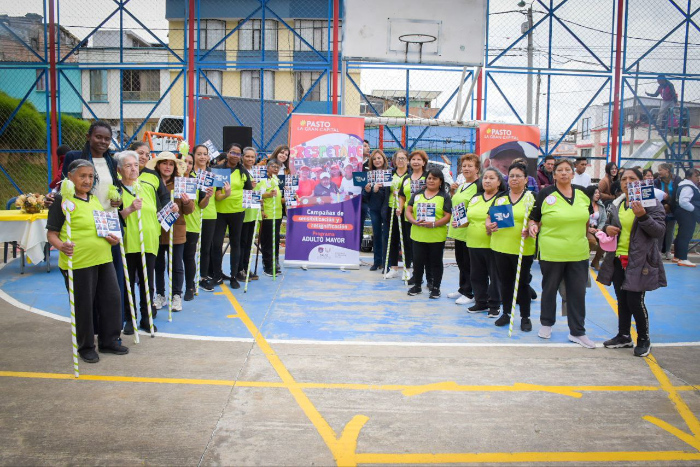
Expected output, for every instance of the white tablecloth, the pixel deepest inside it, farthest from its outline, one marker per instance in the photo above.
(29, 230)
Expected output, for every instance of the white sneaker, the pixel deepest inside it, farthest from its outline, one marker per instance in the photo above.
(545, 332)
(464, 300)
(686, 263)
(454, 295)
(159, 301)
(583, 341)
(177, 303)
(668, 256)
(393, 273)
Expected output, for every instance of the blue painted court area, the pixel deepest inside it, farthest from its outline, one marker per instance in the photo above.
(359, 306)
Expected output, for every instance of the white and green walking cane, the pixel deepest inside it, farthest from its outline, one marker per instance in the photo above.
(67, 192)
(170, 269)
(275, 186)
(197, 273)
(403, 250)
(128, 291)
(387, 267)
(137, 190)
(529, 202)
(252, 247)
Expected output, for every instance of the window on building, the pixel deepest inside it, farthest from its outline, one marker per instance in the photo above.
(211, 31)
(206, 88)
(586, 152)
(98, 85)
(304, 80)
(141, 85)
(250, 84)
(250, 35)
(34, 43)
(586, 128)
(41, 84)
(315, 32)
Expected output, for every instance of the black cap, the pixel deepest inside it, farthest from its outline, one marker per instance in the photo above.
(504, 149)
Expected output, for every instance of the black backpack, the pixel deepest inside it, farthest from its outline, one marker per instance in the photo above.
(695, 200)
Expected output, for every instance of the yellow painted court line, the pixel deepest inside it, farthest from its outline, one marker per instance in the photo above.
(683, 410)
(531, 457)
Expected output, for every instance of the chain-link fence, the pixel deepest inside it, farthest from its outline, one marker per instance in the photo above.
(154, 68)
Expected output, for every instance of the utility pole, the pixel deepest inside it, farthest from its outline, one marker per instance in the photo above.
(527, 26)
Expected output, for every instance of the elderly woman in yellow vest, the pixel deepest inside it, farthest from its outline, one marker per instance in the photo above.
(95, 281)
(272, 202)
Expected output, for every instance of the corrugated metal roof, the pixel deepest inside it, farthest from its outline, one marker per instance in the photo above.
(401, 93)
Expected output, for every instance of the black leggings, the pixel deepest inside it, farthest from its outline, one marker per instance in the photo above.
(178, 269)
(266, 246)
(95, 288)
(395, 242)
(135, 268)
(483, 277)
(205, 265)
(428, 257)
(574, 274)
(234, 222)
(246, 243)
(629, 304)
(190, 259)
(506, 268)
(686, 227)
(464, 265)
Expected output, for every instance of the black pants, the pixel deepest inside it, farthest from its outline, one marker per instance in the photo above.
(483, 278)
(428, 257)
(246, 243)
(575, 276)
(506, 269)
(629, 304)
(190, 259)
(464, 265)
(686, 227)
(119, 271)
(266, 242)
(95, 289)
(178, 269)
(205, 263)
(135, 267)
(395, 241)
(234, 222)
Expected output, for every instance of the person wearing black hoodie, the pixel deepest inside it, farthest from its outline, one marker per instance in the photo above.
(373, 196)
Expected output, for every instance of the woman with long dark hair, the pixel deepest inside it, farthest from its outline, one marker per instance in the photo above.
(201, 162)
(373, 195)
(230, 214)
(635, 267)
(595, 223)
(412, 184)
(247, 231)
(605, 186)
(429, 236)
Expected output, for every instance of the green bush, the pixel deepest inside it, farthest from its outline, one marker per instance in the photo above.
(27, 130)
(73, 131)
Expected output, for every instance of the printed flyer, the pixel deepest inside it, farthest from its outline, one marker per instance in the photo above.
(324, 229)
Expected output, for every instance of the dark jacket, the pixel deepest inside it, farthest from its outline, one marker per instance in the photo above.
(543, 178)
(670, 189)
(180, 226)
(375, 201)
(645, 270)
(87, 155)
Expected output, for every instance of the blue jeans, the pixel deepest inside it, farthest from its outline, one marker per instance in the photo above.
(377, 236)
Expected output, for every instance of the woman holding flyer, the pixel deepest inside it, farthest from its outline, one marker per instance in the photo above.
(193, 222)
(636, 266)
(429, 211)
(272, 218)
(230, 214)
(146, 201)
(505, 243)
(150, 176)
(169, 167)
(470, 165)
(93, 276)
(248, 160)
(411, 185)
(373, 195)
(401, 227)
(481, 258)
(560, 217)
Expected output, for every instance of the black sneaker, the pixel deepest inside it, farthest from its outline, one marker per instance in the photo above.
(206, 285)
(476, 308)
(116, 349)
(525, 325)
(225, 277)
(493, 313)
(411, 281)
(90, 356)
(533, 294)
(240, 277)
(503, 320)
(253, 277)
(618, 342)
(189, 295)
(643, 348)
(218, 281)
(143, 325)
(128, 329)
(415, 290)
(267, 272)
(234, 283)
(374, 267)
(434, 293)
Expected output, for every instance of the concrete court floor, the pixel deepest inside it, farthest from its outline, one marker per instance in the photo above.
(187, 402)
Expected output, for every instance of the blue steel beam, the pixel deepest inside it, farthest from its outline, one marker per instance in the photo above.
(21, 103)
(498, 88)
(97, 28)
(24, 44)
(229, 34)
(295, 33)
(2, 169)
(163, 44)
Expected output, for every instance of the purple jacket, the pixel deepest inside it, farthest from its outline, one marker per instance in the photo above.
(544, 179)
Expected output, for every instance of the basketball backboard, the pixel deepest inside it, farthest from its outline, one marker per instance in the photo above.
(443, 32)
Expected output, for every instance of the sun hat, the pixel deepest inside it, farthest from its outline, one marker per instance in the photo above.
(606, 243)
(168, 156)
(325, 175)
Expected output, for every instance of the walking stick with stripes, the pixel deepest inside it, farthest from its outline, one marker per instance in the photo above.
(403, 250)
(529, 202)
(137, 190)
(197, 273)
(67, 191)
(252, 245)
(388, 245)
(170, 269)
(132, 308)
(274, 229)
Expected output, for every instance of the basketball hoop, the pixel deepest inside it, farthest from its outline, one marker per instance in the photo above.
(418, 39)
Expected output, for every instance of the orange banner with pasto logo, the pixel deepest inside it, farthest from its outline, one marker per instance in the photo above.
(498, 144)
